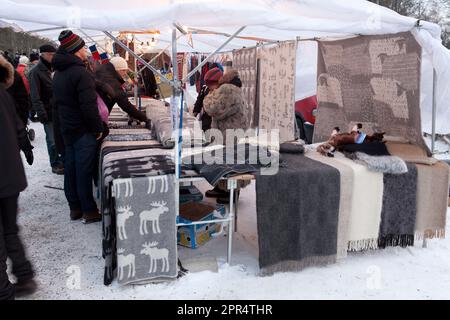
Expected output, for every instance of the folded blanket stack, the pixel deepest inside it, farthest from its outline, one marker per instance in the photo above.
(162, 128)
(122, 165)
(224, 162)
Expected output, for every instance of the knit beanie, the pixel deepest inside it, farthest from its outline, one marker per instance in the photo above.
(24, 60)
(119, 63)
(70, 41)
(213, 76)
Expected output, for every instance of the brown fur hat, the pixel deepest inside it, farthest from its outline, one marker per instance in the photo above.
(229, 76)
(6, 73)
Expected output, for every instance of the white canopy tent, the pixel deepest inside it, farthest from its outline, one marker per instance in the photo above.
(264, 19)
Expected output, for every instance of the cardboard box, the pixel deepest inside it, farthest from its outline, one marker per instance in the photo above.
(197, 235)
(190, 193)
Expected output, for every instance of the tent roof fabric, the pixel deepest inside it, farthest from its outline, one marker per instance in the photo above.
(269, 19)
(280, 19)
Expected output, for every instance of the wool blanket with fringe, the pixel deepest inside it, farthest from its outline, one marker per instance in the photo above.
(410, 153)
(432, 195)
(367, 200)
(297, 215)
(398, 216)
(345, 201)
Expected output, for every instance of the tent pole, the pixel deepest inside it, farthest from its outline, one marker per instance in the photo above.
(433, 121)
(211, 54)
(136, 82)
(160, 53)
(95, 42)
(163, 78)
(175, 115)
(176, 93)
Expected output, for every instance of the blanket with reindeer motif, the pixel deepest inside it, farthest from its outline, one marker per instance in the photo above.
(145, 229)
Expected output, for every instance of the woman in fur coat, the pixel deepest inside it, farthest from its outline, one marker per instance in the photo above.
(226, 104)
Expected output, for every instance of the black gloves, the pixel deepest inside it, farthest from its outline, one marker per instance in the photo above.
(29, 156)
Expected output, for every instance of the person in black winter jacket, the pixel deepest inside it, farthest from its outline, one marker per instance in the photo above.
(109, 75)
(80, 124)
(21, 98)
(42, 101)
(12, 182)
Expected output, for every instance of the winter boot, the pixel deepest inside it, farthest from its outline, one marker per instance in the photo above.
(25, 288)
(59, 170)
(217, 193)
(91, 217)
(75, 215)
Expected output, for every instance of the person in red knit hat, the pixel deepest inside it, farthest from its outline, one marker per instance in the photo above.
(212, 78)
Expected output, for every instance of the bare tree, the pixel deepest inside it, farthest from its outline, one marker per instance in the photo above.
(437, 11)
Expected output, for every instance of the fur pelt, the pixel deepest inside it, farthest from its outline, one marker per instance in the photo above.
(383, 164)
(6, 73)
(341, 139)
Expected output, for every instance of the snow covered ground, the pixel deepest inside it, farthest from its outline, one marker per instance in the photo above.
(64, 252)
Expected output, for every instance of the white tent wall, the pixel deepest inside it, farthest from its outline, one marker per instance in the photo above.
(437, 57)
(269, 19)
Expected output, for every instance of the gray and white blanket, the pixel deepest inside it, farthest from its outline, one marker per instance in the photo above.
(146, 229)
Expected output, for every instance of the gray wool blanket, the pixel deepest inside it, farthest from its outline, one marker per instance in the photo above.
(297, 215)
(398, 215)
(146, 229)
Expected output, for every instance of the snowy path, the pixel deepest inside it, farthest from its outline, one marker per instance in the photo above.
(58, 247)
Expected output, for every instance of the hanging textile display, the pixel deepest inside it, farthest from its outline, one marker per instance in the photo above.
(146, 229)
(372, 80)
(277, 89)
(180, 61)
(244, 61)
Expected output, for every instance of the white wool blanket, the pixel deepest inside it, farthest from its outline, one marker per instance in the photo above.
(367, 200)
